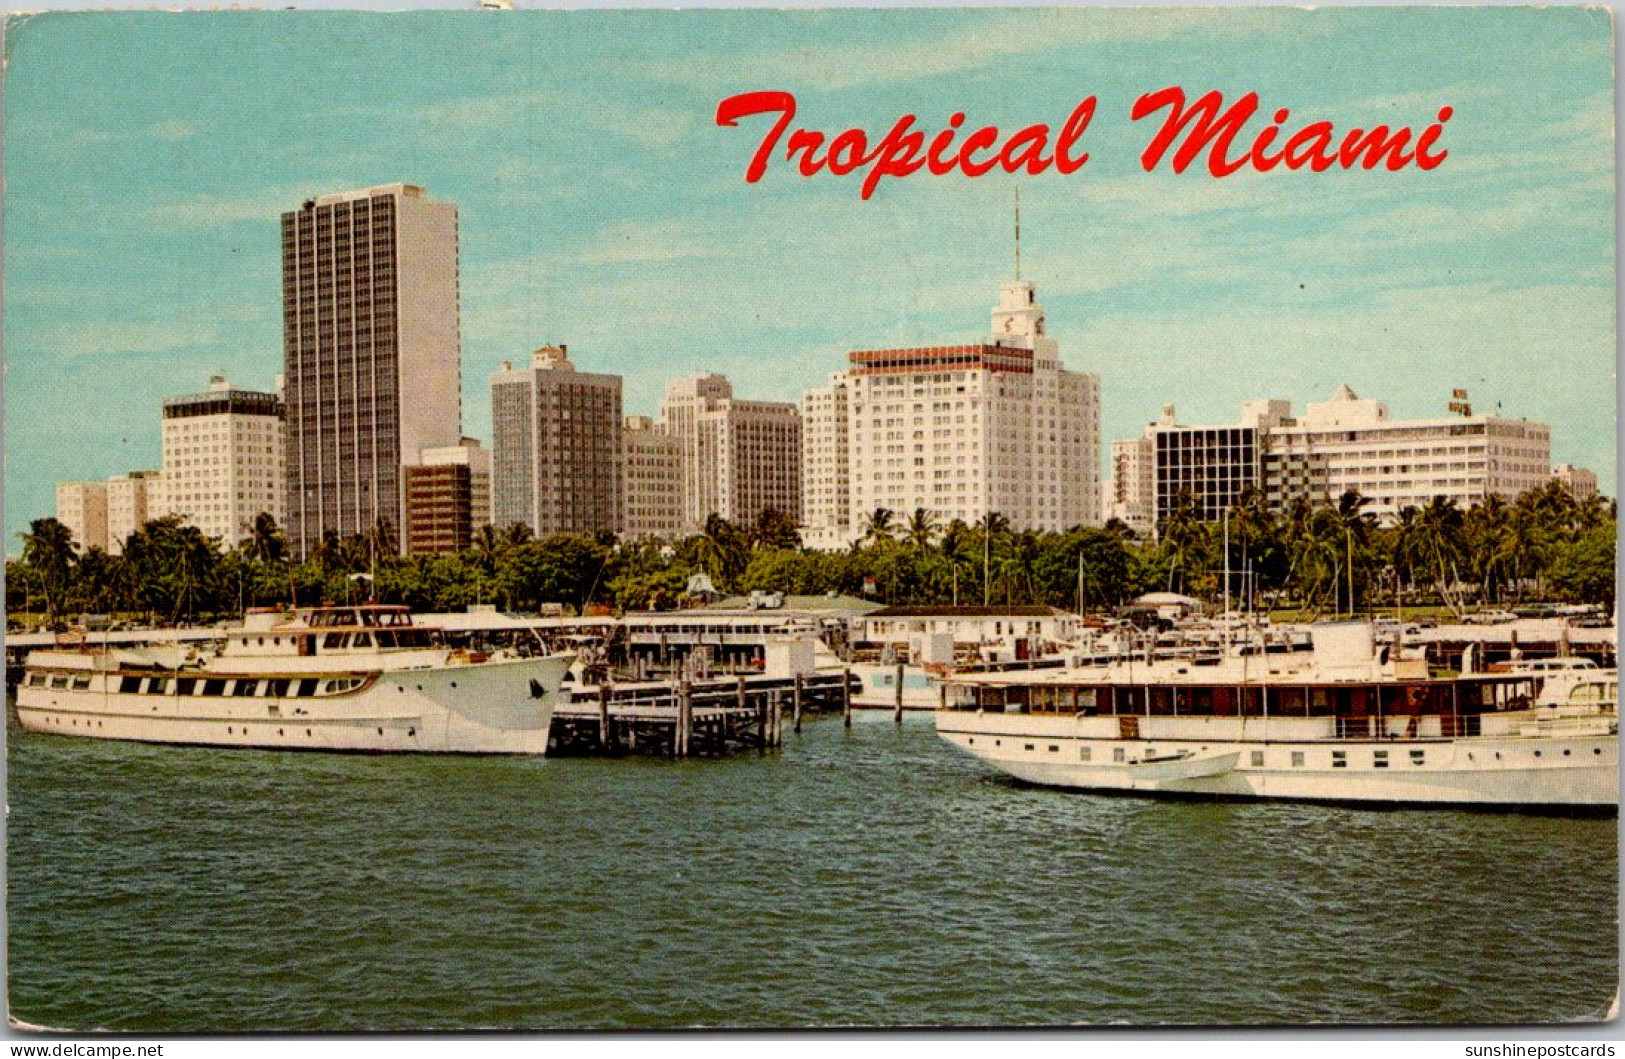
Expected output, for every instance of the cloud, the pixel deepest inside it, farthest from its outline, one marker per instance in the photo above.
(80, 338)
(989, 40)
(171, 131)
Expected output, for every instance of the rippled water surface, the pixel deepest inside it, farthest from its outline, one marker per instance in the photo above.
(869, 877)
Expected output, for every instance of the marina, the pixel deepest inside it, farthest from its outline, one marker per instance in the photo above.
(865, 860)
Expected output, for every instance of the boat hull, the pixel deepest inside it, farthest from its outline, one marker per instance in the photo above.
(495, 707)
(1579, 770)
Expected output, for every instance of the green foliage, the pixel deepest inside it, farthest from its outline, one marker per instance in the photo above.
(1316, 559)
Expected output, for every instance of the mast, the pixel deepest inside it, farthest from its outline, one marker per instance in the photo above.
(1080, 582)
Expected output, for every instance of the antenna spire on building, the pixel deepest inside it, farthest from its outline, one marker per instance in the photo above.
(1018, 233)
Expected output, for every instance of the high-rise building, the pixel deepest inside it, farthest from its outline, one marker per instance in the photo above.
(556, 446)
(82, 507)
(1346, 443)
(651, 481)
(1581, 483)
(740, 457)
(826, 482)
(223, 460)
(1209, 468)
(371, 346)
(132, 500)
(965, 430)
(1131, 494)
(448, 498)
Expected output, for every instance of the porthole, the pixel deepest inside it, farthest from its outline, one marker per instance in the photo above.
(454, 683)
(1029, 746)
(970, 741)
(1537, 753)
(307, 731)
(230, 730)
(1597, 750)
(412, 731)
(280, 732)
(1053, 748)
(380, 731)
(1566, 753)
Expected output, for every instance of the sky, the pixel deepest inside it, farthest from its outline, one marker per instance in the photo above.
(149, 155)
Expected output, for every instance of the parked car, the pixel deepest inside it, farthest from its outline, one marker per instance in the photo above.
(1491, 617)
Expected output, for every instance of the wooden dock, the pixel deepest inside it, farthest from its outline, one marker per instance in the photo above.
(705, 718)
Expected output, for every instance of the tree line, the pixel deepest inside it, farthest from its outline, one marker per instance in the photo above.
(1321, 558)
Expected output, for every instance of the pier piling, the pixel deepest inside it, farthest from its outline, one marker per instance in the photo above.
(897, 712)
(603, 717)
(685, 719)
(796, 705)
(846, 697)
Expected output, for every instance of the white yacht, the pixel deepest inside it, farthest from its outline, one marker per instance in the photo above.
(361, 678)
(1345, 722)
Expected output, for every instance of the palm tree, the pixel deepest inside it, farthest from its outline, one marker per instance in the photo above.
(48, 551)
(1439, 530)
(515, 534)
(920, 530)
(265, 542)
(722, 550)
(877, 527)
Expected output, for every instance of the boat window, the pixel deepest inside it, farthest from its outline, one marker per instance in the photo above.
(1083, 753)
(1340, 759)
(186, 686)
(36, 680)
(1379, 759)
(246, 688)
(129, 685)
(157, 686)
(385, 638)
(1297, 759)
(306, 689)
(81, 683)
(1258, 759)
(336, 641)
(1118, 753)
(276, 689)
(1417, 756)
(363, 639)
(60, 680)
(214, 687)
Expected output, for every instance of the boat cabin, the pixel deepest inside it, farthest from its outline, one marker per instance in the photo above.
(1353, 707)
(337, 630)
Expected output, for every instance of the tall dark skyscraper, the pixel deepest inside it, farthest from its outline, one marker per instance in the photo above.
(372, 354)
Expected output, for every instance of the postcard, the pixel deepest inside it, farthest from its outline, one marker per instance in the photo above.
(764, 519)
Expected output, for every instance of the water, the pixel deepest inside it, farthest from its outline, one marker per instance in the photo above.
(870, 877)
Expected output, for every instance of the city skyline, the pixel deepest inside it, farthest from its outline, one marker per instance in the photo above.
(142, 222)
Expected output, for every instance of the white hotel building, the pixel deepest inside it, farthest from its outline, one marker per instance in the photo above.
(223, 460)
(1345, 443)
(1351, 443)
(960, 431)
